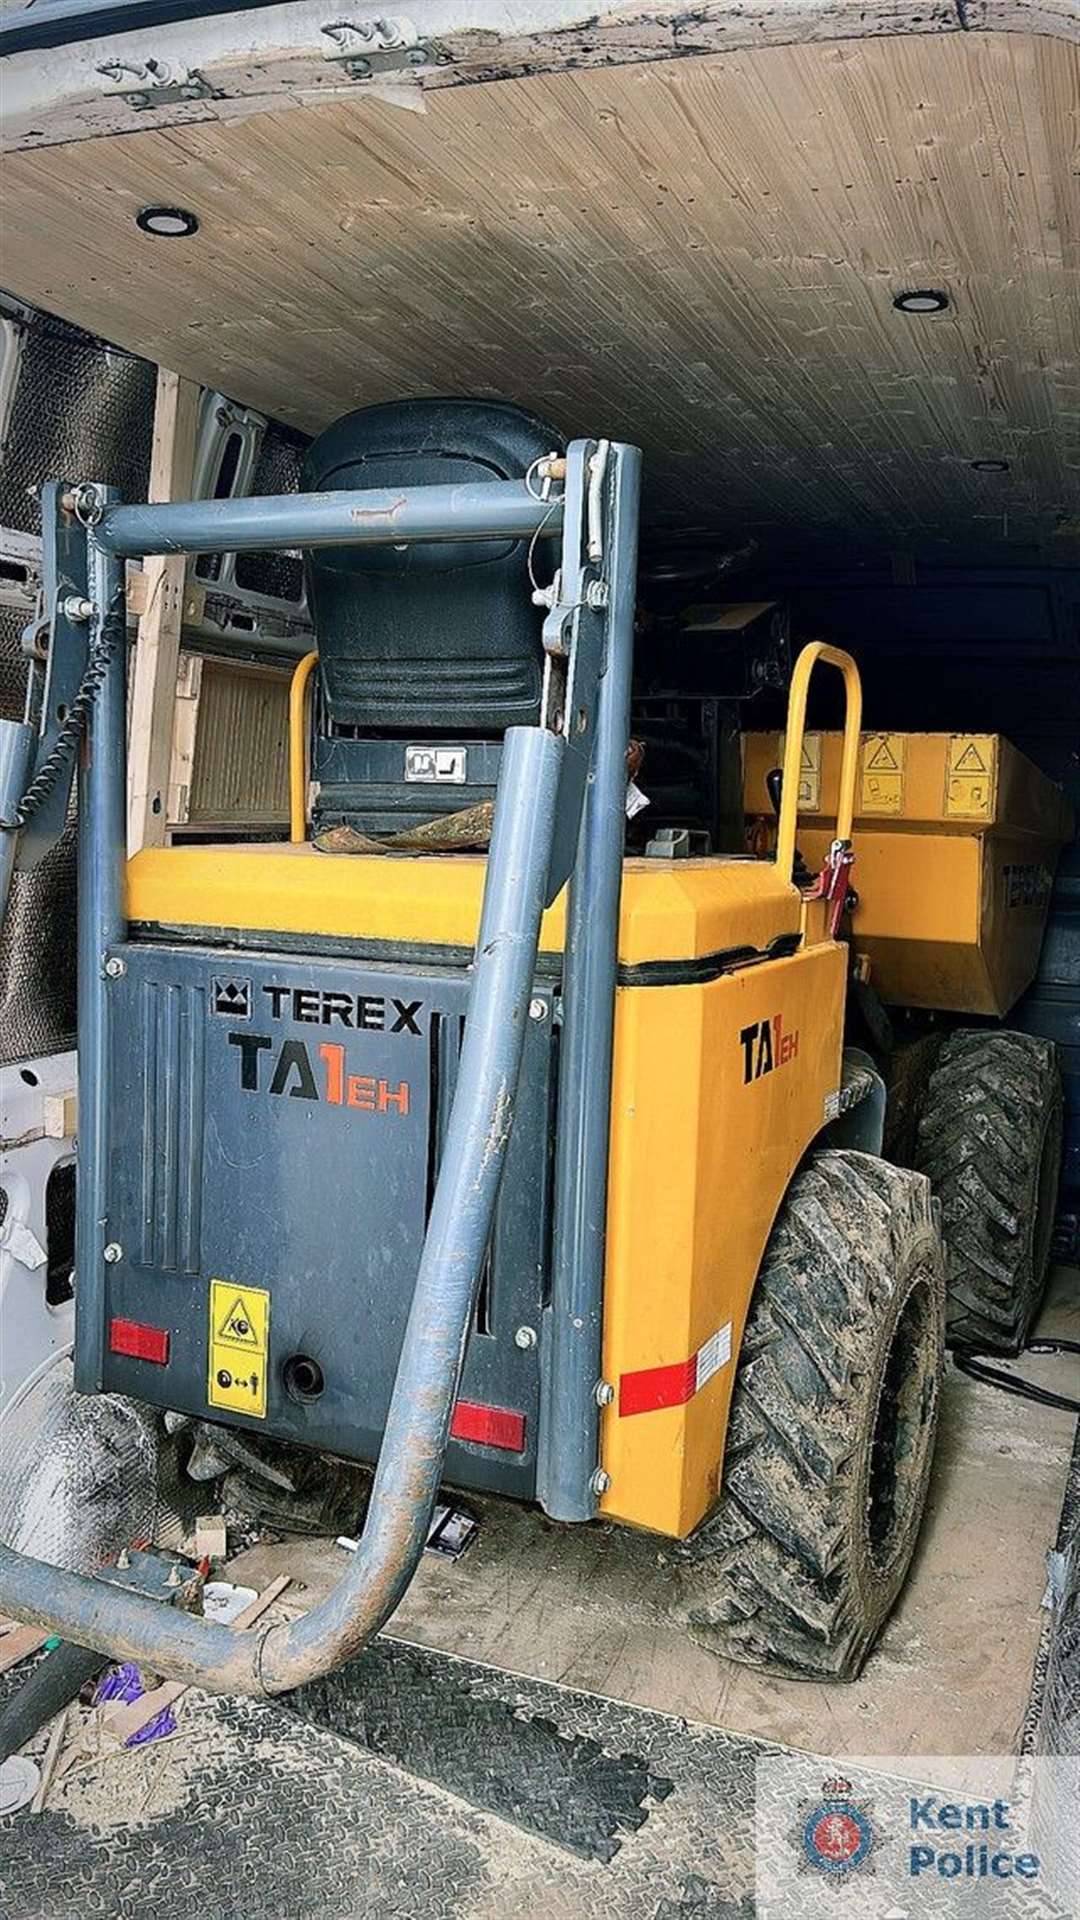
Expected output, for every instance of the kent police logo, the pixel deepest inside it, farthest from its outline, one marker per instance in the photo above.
(835, 1835)
(232, 998)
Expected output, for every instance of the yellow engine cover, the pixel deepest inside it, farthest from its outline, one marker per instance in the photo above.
(956, 838)
(726, 1066)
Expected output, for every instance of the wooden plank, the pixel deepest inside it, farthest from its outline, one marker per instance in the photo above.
(61, 1115)
(157, 650)
(19, 1644)
(49, 1764)
(240, 752)
(138, 597)
(185, 736)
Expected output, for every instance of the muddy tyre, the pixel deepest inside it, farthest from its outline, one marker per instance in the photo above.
(989, 1140)
(832, 1426)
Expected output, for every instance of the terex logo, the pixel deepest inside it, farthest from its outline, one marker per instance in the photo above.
(765, 1045)
(364, 1012)
(295, 1074)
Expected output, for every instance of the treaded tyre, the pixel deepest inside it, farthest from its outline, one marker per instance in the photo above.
(832, 1427)
(989, 1140)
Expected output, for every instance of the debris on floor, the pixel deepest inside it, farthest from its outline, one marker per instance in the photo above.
(19, 1782)
(224, 1602)
(211, 1537)
(451, 1533)
(125, 1685)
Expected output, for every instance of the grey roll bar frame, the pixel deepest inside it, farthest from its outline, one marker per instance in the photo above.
(479, 510)
(570, 1376)
(125, 1625)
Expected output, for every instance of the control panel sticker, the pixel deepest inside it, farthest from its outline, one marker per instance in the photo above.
(809, 770)
(881, 785)
(238, 1347)
(970, 776)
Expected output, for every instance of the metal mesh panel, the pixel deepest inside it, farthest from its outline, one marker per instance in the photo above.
(12, 664)
(37, 958)
(277, 470)
(80, 1475)
(81, 411)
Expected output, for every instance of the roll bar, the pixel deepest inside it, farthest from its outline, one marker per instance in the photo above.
(541, 798)
(815, 651)
(298, 711)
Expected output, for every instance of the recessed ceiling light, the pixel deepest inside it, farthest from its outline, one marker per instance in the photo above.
(167, 223)
(921, 300)
(989, 466)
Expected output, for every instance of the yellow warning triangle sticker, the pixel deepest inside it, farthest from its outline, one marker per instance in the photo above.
(970, 761)
(882, 760)
(236, 1327)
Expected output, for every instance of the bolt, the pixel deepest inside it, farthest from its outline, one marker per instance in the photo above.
(174, 1576)
(600, 1481)
(76, 607)
(596, 594)
(85, 502)
(114, 967)
(358, 69)
(537, 1010)
(123, 1560)
(525, 1338)
(113, 1252)
(605, 1393)
(139, 99)
(418, 57)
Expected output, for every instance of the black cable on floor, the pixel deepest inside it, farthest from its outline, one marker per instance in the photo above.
(972, 1363)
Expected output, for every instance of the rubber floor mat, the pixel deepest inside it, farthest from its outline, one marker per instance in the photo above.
(256, 1811)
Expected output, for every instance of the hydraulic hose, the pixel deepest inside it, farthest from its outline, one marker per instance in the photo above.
(968, 1360)
(127, 1626)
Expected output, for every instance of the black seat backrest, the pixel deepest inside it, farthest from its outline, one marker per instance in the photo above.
(440, 639)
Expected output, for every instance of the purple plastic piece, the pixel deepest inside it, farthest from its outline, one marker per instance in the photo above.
(155, 1729)
(120, 1683)
(125, 1683)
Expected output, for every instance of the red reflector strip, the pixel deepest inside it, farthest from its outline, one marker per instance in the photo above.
(488, 1426)
(139, 1342)
(673, 1386)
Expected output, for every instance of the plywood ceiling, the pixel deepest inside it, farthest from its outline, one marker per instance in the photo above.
(698, 255)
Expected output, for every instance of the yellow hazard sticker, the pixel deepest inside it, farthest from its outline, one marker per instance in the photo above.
(239, 1347)
(970, 775)
(881, 782)
(809, 771)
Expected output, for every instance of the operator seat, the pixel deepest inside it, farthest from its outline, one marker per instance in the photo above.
(433, 644)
